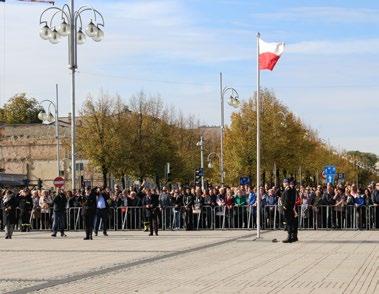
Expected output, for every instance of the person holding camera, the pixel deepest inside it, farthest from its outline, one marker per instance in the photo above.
(59, 212)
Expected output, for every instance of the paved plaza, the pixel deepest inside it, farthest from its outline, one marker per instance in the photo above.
(191, 262)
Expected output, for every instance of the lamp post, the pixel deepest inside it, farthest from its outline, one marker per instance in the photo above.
(233, 101)
(68, 22)
(201, 145)
(47, 118)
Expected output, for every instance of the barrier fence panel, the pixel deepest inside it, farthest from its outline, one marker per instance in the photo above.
(349, 217)
(219, 217)
(166, 218)
(131, 218)
(269, 217)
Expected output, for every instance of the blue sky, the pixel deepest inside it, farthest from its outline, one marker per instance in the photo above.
(328, 74)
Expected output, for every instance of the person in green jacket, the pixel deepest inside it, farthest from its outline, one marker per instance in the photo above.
(240, 209)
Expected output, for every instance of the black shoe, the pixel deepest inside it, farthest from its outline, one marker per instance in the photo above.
(150, 234)
(86, 238)
(105, 234)
(63, 235)
(96, 234)
(6, 237)
(54, 235)
(156, 234)
(287, 240)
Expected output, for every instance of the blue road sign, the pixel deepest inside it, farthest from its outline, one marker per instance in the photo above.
(330, 170)
(245, 180)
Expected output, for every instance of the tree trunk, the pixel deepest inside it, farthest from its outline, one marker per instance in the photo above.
(105, 173)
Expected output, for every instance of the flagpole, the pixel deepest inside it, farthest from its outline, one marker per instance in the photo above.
(258, 144)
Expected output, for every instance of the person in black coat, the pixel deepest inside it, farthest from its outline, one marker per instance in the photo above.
(152, 209)
(9, 205)
(89, 211)
(188, 202)
(288, 203)
(59, 213)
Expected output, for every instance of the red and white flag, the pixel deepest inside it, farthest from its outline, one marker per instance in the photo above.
(269, 54)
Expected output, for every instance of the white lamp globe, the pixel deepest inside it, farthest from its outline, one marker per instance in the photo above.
(54, 37)
(64, 29)
(45, 32)
(236, 102)
(42, 115)
(91, 30)
(99, 35)
(81, 37)
(50, 118)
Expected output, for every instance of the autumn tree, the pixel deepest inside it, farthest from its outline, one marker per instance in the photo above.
(20, 110)
(97, 138)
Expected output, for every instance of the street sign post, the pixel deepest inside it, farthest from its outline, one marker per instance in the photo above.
(59, 182)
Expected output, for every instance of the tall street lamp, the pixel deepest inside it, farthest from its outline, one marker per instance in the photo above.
(48, 118)
(68, 22)
(233, 101)
(201, 145)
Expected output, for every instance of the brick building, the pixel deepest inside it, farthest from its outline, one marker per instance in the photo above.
(28, 151)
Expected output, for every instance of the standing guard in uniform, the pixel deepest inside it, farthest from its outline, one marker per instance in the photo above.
(89, 211)
(26, 206)
(288, 203)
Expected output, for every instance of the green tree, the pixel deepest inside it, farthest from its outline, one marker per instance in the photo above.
(20, 110)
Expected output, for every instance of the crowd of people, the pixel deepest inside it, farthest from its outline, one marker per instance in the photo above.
(325, 206)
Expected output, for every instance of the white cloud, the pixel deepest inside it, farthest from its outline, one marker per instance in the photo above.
(335, 47)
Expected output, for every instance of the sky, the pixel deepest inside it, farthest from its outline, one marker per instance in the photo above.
(328, 74)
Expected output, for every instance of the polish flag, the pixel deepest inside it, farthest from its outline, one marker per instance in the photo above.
(269, 54)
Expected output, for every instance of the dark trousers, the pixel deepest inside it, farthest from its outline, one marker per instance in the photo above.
(291, 223)
(376, 216)
(153, 219)
(89, 220)
(188, 218)
(101, 214)
(25, 220)
(58, 221)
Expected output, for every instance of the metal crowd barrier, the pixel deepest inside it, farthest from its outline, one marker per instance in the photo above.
(324, 217)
